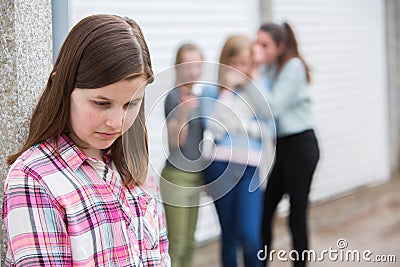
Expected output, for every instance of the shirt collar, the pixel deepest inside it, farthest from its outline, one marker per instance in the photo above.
(73, 155)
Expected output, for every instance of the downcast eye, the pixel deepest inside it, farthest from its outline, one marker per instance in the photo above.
(101, 103)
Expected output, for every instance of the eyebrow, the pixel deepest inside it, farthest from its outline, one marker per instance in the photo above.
(102, 97)
(108, 99)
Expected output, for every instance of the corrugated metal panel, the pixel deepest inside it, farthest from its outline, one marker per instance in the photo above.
(165, 25)
(344, 42)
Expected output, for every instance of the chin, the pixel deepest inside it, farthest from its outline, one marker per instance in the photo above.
(105, 145)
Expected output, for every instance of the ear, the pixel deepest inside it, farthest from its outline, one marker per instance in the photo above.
(281, 48)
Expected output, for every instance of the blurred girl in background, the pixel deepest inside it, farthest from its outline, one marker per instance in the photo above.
(182, 173)
(237, 133)
(297, 151)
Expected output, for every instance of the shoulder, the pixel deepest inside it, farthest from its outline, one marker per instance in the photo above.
(28, 172)
(210, 91)
(173, 94)
(32, 160)
(293, 70)
(45, 160)
(294, 64)
(172, 99)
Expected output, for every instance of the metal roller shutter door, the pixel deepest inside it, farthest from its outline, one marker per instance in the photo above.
(344, 43)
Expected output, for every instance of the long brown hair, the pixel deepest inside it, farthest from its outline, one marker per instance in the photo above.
(98, 51)
(180, 52)
(233, 46)
(186, 47)
(284, 34)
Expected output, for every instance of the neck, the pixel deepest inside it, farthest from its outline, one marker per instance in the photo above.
(89, 151)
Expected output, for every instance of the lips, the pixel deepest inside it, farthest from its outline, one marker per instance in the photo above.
(108, 135)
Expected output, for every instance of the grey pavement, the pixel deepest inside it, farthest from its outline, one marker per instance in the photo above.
(365, 221)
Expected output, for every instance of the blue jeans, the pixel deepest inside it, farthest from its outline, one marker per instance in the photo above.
(239, 210)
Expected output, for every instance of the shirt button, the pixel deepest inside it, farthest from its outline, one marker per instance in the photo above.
(127, 209)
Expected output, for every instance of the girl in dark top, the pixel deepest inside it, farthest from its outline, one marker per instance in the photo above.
(182, 176)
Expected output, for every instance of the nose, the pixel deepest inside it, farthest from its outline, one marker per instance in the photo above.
(115, 119)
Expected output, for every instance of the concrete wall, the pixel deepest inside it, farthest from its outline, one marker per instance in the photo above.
(393, 57)
(25, 63)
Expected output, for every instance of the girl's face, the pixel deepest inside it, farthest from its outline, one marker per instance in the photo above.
(267, 46)
(99, 116)
(242, 62)
(189, 73)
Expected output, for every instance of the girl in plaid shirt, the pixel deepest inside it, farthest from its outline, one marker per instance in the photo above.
(76, 193)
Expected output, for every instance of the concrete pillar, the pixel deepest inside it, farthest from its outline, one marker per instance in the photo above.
(25, 63)
(393, 58)
(266, 11)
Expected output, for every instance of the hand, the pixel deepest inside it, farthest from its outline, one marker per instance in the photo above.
(258, 60)
(233, 79)
(255, 72)
(258, 55)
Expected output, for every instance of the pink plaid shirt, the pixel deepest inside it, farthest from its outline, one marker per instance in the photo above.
(66, 209)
